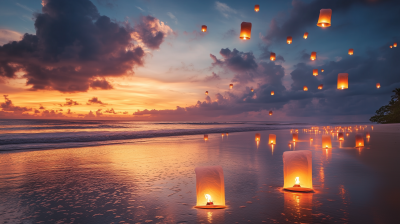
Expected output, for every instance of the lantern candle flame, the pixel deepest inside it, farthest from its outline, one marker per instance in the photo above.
(209, 201)
(297, 182)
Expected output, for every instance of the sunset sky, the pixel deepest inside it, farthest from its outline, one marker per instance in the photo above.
(149, 60)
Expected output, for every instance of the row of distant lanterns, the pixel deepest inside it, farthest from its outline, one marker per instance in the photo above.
(324, 20)
(297, 167)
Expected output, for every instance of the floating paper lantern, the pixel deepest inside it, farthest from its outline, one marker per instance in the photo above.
(272, 56)
(321, 86)
(297, 171)
(305, 88)
(210, 187)
(203, 28)
(272, 93)
(258, 137)
(205, 137)
(289, 39)
(313, 56)
(252, 90)
(230, 86)
(351, 51)
(270, 112)
(206, 92)
(391, 46)
(378, 85)
(340, 136)
(245, 31)
(359, 141)
(315, 72)
(395, 44)
(325, 16)
(272, 139)
(322, 70)
(295, 137)
(326, 142)
(257, 8)
(305, 35)
(343, 81)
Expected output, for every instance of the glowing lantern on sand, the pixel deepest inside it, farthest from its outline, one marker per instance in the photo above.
(258, 137)
(343, 81)
(210, 187)
(321, 86)
(315, 72)
(272, 56)
(326, 142)
(257, 8)
(297, 171)
(295, 137)
(289, 40)
(230, 86)
(305, 35)
(203, 28)
(395, 44)
(340, 136)
(245, 31)
(272, 93)
(252, 90)
(272, 139)
(205, 137)
(359, 141)
(325, 16)
(313, 56)
(351, 51)
(305, 88)
(270, 112)
(206, 92)
(378, 85)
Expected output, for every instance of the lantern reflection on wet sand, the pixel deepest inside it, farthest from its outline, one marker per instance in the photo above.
(210, 187)
(230, 86)
(295, 137)
(351, 51)
(297, 171)
(272, 139)
(326, 142)
(305, 35)
(272, 56)
(258, 137)
(321, 86)
(324, 19)
(245, 31)
(378, 85)
(203, 28)
(272, 93)
(313, 56)
(343, 81)
(270, 112)
(257, 8)
(315, 72)
(298, 207)
(289, 40)
(340, 136)
(205, 137)
(305, 88)
(359, 140)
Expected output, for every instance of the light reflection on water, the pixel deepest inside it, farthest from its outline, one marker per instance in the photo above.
(153, 181)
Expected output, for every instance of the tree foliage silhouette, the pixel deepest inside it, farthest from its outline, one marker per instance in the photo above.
(389, 113)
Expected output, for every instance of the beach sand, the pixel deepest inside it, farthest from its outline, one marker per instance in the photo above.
(153, 181)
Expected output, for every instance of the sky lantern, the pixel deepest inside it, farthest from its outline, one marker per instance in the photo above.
(289, 39)
(340, 136)
(324, 19)
(391, 46)
(295, 137)
(272, 139)
(315, 72)
(321, 86)
(305, 88)
(230, 86)
(272, 56)
(210, 187)
(245, 31)
(322, 70)
(203, 28)
(272, 93)
(205, 137)
(378, 85)
(252, 90)
(270, 112)
(206, 92)
(326, 142)
(343, 81)
(351, 51)
(313, 56)
(305, 35)
(297, 171)
(395, 44)
(257, 8)
(359, 140)
(258, 137)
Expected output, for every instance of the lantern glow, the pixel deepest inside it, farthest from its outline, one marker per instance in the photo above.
(258, 137)
(313, 56)
(272, 93)
(391, 46)
(343, 81)
(315, 72)
(245, 31)
(351, 51)
(230, 86)
(321, 86)
(322, 70)
(359, 141)
(272, 139)
(305, 35)
(257, 8)
(324, 19)
(205, 137)
(206, 92)
(272, 56)
(270, 112)
(378, 85)
(295, 137)
(210, 187)
(340, 136)
(305, 88)
(297, 171)
(326, 142)
(289, 40)
(203, 28)
(252, 90)
(395, 44)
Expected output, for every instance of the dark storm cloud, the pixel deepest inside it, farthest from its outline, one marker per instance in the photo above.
(235, 60)
(304, 15)
(76, 48)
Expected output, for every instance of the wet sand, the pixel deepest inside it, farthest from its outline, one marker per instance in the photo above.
(153, 181)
